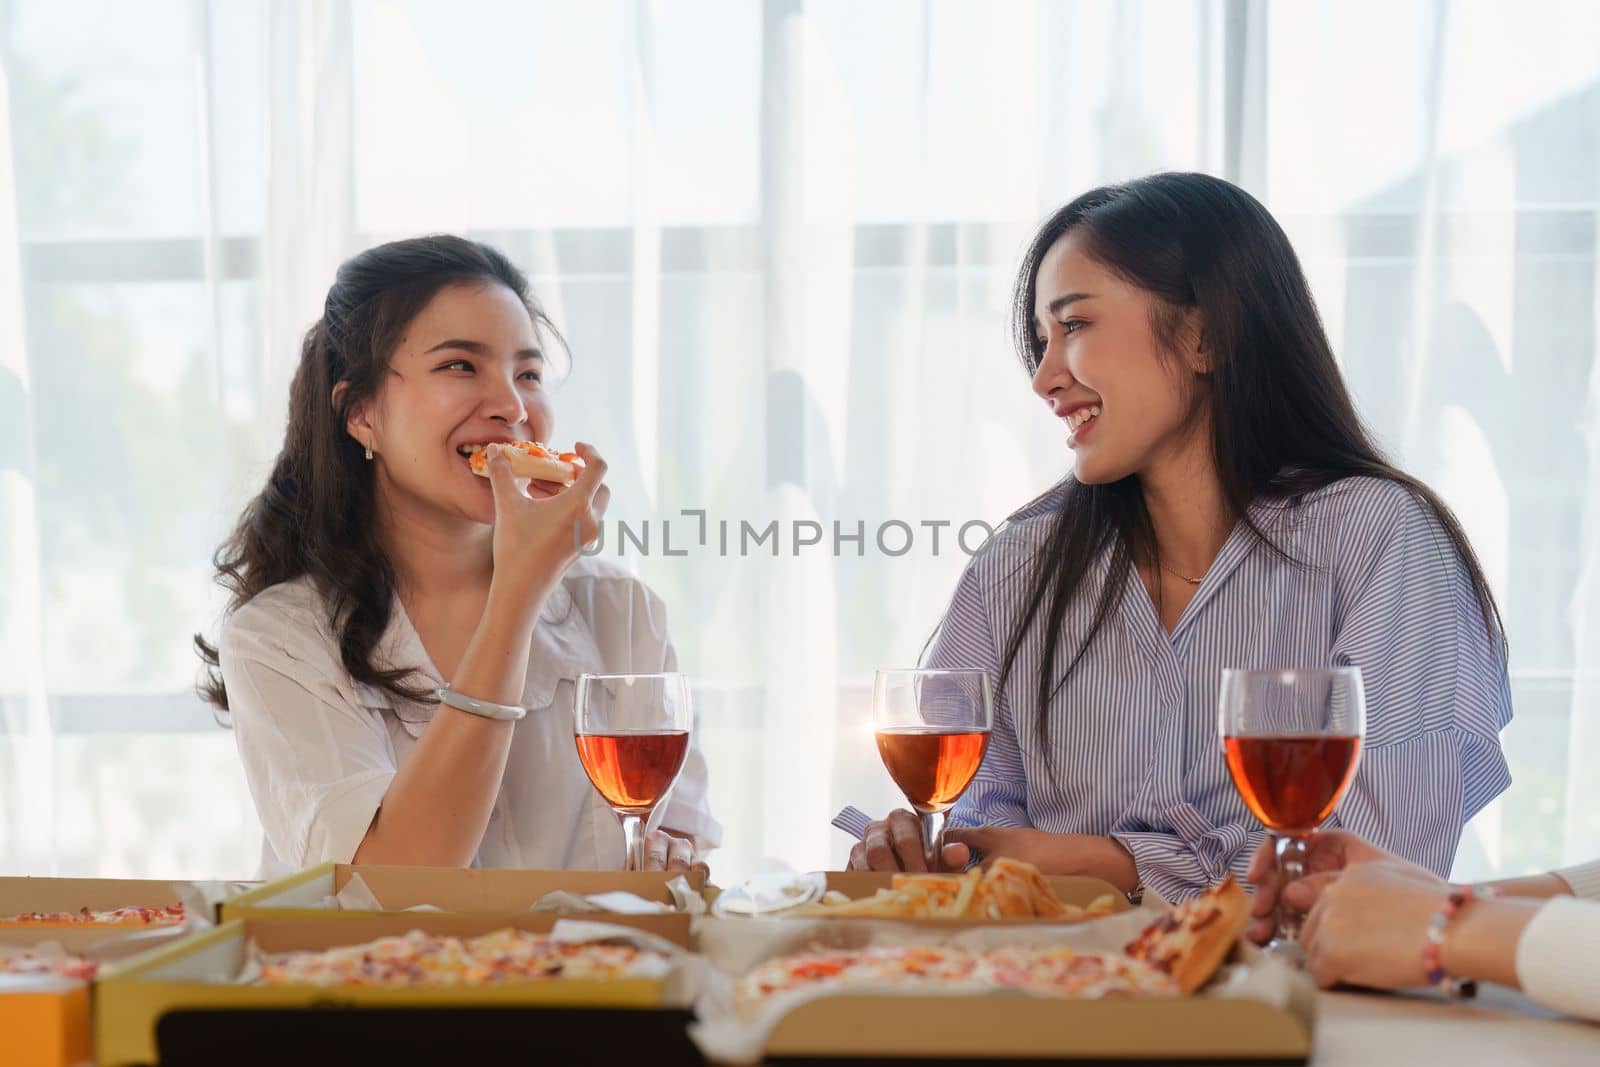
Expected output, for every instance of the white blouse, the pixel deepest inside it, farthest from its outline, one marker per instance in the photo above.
(320, 749)
(1556, 952)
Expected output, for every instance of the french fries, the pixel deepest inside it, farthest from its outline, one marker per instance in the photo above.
(1009, 889)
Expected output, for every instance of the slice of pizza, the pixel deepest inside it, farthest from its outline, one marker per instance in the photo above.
(422, 959)
(1059, 971)
(1190, 941)
(387, 960)
(911, 968)
(529, 459)
(936, 895)
(525, 956)
(1013, 889)
(1007, 889)
(167, 915)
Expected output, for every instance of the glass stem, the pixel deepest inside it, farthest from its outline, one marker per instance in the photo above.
(633, 839)
(933, 839)
(1291, 868)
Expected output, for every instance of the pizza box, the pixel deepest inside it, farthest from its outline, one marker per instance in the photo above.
(1070, 889)
(25, 894)
(317, 890)
(45, 1020)
(571, 1037)
(1258, 1009)
(196, 973)
(931, 1027)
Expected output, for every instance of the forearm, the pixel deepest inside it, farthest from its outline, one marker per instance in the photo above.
(1092, 857)
(495, 664)
(1114, 863)
(437, 807)
(1536, 886)
(1481, 943)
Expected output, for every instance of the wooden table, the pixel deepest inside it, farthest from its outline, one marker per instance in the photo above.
(1499, 1028)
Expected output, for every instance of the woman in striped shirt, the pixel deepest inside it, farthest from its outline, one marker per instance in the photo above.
(1226, 508)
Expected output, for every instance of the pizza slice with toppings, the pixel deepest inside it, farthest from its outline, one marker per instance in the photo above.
(529, 459)
(1056, 971)
(1059, 971)
(1012, 888)
(161, 915)
(419, 958)
(911, 967)
(1190, 941)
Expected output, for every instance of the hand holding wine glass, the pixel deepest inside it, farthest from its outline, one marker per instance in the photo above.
(1292, 739)
(894, 843)
(932, 729)
(632, 733)
(1328, 853)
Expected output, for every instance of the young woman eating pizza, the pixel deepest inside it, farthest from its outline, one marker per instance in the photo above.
(393, 612)
(1226, 508)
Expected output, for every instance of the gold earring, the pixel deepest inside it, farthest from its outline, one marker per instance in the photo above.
(369, 451)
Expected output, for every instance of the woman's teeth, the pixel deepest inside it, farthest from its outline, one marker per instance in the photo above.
(1081, 416)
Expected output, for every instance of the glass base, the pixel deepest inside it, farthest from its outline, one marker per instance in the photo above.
(1286, 949)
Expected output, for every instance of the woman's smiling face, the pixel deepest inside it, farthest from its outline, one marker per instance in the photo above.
(468, 370)
(1126, 398)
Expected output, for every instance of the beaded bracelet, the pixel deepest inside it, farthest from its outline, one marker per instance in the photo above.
(1433, 943)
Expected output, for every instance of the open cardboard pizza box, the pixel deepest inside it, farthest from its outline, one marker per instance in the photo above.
(20, 895)
(1254, 1009)
(45, 1019)
(202, 971)
(329, 887)
(931, 1028)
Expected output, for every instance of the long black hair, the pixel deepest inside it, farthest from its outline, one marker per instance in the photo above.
(1282, 422)
(314, 517)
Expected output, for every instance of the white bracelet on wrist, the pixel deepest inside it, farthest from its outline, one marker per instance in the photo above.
(486, 708)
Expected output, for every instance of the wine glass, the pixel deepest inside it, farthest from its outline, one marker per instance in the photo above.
(1292, 740)
(632, 733)
(932, 728)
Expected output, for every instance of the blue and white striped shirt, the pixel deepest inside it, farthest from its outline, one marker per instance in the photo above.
(1133, 734)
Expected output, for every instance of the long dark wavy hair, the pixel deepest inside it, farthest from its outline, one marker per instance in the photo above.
(315, 517)
(1282, 422)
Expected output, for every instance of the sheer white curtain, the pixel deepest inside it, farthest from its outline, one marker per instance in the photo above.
(779, 238)
(27, 795)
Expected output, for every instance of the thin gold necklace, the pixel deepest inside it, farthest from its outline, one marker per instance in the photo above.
(1183, 577)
